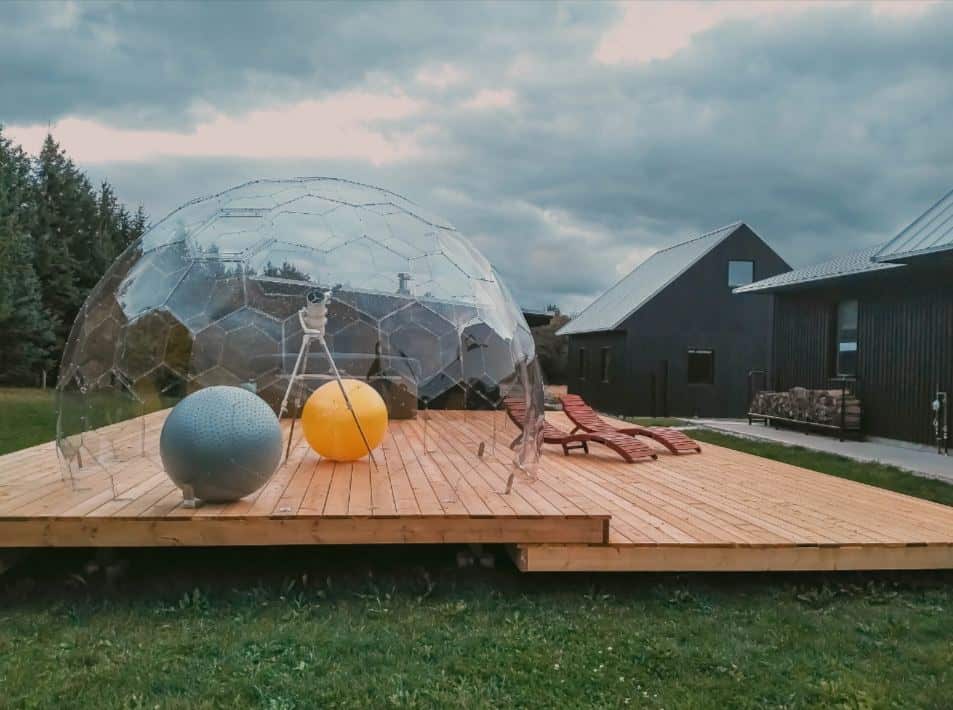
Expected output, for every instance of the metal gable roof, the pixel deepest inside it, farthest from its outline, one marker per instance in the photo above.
(857, 262)
(642, 283)
(930, 232)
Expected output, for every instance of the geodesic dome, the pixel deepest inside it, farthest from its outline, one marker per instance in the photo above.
(210, 296)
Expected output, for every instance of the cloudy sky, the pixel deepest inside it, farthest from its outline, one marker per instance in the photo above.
(567, 140)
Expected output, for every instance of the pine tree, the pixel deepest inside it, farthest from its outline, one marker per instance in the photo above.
(25, 348)
(55, 265)
(58, 236)
(28, 337)
(108, 239)
(137, 227)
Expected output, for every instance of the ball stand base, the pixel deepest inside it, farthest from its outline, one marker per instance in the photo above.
(188, 498)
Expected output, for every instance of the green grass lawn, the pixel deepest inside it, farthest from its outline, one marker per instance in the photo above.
(27, 417)
(403, 627)
(656, 421)
(371, 628)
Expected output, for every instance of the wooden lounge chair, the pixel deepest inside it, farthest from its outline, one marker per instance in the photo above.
(628, 448)
(587, 419)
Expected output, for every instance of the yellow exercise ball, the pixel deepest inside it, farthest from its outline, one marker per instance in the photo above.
(329, 426)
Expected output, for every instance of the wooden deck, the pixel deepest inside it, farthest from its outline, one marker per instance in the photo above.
(719, 510)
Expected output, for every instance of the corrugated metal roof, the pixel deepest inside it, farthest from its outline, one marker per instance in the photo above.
(857, 262)
(648, 278)
(930, 232)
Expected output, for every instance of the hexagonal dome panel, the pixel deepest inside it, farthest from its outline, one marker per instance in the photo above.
(211, 295)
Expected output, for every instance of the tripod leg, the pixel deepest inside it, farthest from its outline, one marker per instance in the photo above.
(347, 400)
(299, 364)
(291, 436)
(305, 343)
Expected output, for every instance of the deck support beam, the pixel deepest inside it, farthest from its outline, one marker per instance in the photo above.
(804, 558)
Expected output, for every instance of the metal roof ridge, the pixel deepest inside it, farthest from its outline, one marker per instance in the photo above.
(709, 233)
(877, 257)
(729, 229)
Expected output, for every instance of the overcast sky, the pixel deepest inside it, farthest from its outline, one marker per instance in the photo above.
(568, 141)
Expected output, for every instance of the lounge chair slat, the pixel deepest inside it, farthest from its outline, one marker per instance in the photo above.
(630, 449)
(587, 419)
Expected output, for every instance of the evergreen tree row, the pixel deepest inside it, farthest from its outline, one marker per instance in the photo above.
(58, 235)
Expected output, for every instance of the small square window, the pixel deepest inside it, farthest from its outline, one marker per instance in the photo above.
(740, 273)
(606, 364)
(701, 367)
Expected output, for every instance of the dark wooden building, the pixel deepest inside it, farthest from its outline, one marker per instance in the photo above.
(670, 339)
(883, 316)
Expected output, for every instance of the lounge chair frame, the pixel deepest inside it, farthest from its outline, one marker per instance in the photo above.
(587, 419)
(628, 448)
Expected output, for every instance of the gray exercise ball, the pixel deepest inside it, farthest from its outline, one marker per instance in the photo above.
(223, 442)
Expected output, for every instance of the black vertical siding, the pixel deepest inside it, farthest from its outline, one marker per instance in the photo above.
(904, 340)
(905, 353)
(699, 311)
(589, 384)
(802, 346)
(696, 310)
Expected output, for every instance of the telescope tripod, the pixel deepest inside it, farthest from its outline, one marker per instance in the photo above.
(314, 318)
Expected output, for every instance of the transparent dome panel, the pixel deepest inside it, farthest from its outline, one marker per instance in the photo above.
(211, 295)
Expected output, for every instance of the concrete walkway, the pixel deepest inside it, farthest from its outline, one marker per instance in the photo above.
(920, 460)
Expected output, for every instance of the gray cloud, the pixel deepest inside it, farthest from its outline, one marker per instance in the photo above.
(825, 132)
(145, 63)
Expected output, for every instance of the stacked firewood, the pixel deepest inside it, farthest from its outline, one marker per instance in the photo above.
(816, 406)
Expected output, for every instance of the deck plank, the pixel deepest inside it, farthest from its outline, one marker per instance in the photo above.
(720, 510)
(424, 494)
(404, 496)
(315, 498)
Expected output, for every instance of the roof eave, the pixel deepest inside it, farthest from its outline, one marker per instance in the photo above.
(901, 256)
(807, 283)
(563, 331)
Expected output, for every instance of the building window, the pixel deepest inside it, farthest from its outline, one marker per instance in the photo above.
(847, 338)
(740, 273)
(605, 364)
(701, 367)
(582, 363)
